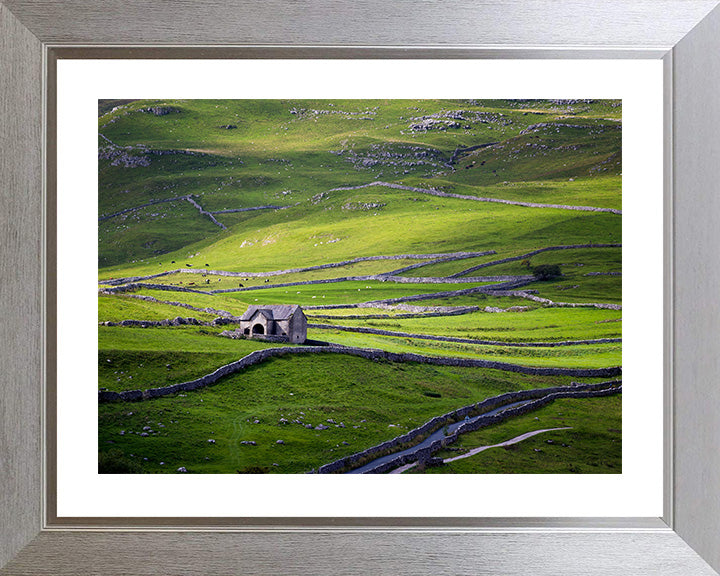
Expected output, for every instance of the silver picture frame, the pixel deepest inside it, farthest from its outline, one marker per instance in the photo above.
(684, 34)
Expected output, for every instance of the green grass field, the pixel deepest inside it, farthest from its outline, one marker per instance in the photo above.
(169, 172)
(592, 445)
(370, 403)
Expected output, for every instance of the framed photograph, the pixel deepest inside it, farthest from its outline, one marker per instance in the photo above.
(389, 286)
(318, 253)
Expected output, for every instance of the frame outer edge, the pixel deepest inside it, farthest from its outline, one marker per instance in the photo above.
(630, 23)
(492, 554)
(20, 301)
(696, 113)
(21, 331)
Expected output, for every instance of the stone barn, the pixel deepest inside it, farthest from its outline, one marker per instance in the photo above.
(279, 322)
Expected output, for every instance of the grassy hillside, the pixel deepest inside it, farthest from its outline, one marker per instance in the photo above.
(255, 153)
(200, 199)
(367, 402)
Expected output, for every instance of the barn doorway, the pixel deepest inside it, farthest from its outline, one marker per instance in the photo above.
(258, 329)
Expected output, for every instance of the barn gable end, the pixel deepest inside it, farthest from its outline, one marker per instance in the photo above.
(279, 322)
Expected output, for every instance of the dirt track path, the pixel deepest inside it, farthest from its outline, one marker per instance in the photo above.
(475, 451)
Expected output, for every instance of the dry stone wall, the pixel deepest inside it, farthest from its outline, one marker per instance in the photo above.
(533, 253)
(448, 280)
(179, 321)
(489, 289)
(433, 192)
(459, 255)
(138, 286)
(379, 332)
(250, 209)
(551, 304)
(208, 310)
(448, 311)
(368, 353)
(205, 213)
(513, 282)
(151, 203)
(539, 397)
(447, 258)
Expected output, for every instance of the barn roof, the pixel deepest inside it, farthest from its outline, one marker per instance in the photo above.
(271, 311)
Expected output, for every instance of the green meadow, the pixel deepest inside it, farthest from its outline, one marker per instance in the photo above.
(362, 404)
(591, 444)
(193, 188)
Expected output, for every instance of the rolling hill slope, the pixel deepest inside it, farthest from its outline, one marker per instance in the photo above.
(456, 231)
